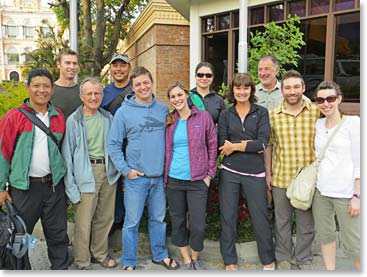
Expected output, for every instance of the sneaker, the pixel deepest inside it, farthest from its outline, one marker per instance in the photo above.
(284, 265)
(188, 266)
(198, 264)
(269, 268)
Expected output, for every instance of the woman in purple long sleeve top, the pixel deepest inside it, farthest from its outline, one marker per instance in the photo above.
(190, 164)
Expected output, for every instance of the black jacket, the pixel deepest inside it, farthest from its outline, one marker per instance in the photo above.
(213, 103)
(256, 127)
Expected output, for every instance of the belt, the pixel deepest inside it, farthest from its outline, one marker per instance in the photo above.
(97, 161)
(44, 179)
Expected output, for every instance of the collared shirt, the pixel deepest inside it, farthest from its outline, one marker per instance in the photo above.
(269, 99)
(292, 138)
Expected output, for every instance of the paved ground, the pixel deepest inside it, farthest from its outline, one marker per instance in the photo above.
(247, 253)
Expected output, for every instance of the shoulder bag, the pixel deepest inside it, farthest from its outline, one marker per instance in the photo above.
(301, 188)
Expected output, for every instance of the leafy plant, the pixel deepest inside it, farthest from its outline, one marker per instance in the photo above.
(12, 95)
(280, 41)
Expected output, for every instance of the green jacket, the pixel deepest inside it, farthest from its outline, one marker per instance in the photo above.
(17, 134)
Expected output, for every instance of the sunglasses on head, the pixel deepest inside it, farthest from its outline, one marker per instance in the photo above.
(329, 99)
(207, 75)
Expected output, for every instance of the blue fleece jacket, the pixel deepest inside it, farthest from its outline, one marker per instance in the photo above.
(143, 125)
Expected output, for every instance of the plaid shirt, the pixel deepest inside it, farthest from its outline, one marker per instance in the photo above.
(292, 138)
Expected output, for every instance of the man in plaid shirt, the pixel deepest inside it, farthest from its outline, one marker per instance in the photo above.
(291, 147)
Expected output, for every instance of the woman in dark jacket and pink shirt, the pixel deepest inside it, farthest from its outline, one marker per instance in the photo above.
(190, 164)
(243, 134)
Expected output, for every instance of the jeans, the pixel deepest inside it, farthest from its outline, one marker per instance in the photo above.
(137, 192)
(119, 202)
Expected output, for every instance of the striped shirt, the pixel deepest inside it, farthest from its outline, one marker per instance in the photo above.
(292, 139)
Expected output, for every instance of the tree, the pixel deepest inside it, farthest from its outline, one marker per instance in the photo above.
(45, 55)
(101, 25)
(281, 41)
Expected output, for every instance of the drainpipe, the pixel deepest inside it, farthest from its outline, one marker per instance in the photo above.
(74, 28)
(242, 43)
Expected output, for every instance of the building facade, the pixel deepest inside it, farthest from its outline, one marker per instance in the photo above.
(159, 40)
(20, 21)
(331, 30)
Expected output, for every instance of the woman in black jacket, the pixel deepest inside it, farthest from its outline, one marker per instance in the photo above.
(244, 132)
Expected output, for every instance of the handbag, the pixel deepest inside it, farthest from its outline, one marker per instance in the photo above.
(301, 188)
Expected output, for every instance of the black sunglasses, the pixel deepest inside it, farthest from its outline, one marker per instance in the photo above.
(201, 75)
(329, 99)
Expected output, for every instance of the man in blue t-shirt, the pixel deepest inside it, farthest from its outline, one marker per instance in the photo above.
(114, 94)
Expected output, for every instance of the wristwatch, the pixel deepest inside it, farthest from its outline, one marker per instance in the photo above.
(356, 195)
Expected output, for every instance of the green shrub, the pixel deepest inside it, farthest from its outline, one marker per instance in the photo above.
(11, 95)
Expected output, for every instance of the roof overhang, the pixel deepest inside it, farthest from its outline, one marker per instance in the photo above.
(182, 6)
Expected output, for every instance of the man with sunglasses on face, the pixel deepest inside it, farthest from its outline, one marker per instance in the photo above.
(291, 147)
(114, 95)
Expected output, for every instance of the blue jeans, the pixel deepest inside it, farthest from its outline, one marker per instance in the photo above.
(137, 192)
(119, 204)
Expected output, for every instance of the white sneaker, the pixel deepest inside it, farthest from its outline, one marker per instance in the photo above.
(269, 268)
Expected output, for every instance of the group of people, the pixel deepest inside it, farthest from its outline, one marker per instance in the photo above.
(119, 150)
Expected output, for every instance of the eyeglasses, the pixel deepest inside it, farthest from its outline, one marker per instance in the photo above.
(201, 75)
(90, 94)
(329, 99)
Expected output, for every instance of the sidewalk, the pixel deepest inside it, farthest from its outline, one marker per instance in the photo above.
(247, 252)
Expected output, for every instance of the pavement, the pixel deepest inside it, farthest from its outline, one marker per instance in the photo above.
(247, 253)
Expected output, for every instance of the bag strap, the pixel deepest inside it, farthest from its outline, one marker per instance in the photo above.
(119, 99)
(38, 122)
(197, 101)
(330, 138)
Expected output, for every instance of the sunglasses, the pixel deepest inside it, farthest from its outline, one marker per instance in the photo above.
(201, 75)
(329, 99)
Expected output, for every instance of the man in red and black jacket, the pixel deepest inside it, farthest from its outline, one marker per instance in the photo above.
(32, 168)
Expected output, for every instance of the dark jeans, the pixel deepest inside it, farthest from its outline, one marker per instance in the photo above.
(254, 189)
(48, 203)
(119, 203)
(182, 197)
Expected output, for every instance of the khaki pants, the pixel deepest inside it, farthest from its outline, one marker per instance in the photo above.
(93, 217)
(324, 209)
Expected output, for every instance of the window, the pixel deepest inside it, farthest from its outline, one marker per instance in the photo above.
(28, 50)
(224, 22)
(343, 5)
(276, 12)
(28, 30)
(11, 29)
(257, 16)
(12, 55)
(347, 55)
(45, 30)
(28, 4)
(312, 62)
(297, 8)
(319, 6)
(14, 76)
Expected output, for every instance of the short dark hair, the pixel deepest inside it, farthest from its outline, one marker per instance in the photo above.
(204, 64)
(39, 72)
(67, 51)
(292, 74)
(140, 70)
(241, 79)
(330, 85)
